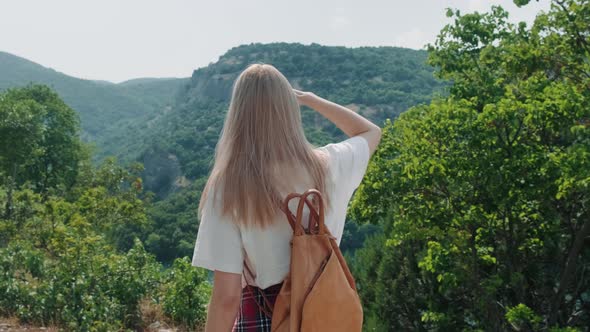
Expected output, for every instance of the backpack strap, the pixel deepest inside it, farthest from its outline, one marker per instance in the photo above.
(267, 307)
(316, 223)
(295, 222)
(296, 226)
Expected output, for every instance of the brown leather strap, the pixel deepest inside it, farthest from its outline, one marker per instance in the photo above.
(316, 224)
(297, 227)
(268, 307)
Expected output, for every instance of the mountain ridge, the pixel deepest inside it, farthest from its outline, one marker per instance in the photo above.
(174, 122)
(378, 82)
(104, 108)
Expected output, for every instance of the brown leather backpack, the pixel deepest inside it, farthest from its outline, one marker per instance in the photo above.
(319, 293)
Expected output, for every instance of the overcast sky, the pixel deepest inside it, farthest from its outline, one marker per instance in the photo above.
(117, 40)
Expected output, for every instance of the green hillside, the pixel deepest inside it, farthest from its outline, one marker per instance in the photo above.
(171, 126)
(378, 82)
(105, 108)
(176, 148)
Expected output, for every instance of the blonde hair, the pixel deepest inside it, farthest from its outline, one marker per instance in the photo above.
(262, 152)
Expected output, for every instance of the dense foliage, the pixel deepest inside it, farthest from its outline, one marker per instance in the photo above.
(484, 195)
(63, 224)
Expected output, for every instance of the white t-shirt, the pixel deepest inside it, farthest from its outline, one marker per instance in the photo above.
(222, 244)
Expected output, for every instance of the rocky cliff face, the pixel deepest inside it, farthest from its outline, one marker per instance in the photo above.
(214, 86)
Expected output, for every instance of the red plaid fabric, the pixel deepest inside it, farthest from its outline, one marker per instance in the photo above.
(250, 317)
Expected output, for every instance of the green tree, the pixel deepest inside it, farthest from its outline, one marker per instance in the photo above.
(69, 254)
(484, 194)
(47, 133)
(187, 293)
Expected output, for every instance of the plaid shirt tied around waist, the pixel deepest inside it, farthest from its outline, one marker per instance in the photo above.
(250, 318)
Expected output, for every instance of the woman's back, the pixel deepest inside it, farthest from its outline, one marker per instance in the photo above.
(223, 244)
(261, 157)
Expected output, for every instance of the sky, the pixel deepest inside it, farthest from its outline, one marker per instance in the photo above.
(117, 40)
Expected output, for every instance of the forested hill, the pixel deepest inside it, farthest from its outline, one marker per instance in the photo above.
(176, 148)
(171, 126)
(105, 108)
(392, 76)
(378, 82)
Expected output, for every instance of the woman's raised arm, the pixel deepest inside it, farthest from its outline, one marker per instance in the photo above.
(351, 123)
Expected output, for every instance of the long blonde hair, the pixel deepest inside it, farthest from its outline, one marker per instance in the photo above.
(262, 150)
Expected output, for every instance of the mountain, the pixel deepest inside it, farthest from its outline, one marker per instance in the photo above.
(171, 125)
(106, 109)
(177, 146)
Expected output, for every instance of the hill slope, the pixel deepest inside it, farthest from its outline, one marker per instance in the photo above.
(378, 82)
(105, 108)
(177, 147)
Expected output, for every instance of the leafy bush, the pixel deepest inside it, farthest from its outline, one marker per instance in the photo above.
(186, 293)
(67, 257)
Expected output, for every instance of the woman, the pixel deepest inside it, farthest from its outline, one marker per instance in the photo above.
(261, 157)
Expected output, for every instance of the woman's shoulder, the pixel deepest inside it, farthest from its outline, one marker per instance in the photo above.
(351, 145)
(348, 159)
(354, 149)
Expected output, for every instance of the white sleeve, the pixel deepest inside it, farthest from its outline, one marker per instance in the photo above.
(351, 158)
(219, 241)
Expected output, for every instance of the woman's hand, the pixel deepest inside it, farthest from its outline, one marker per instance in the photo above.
(350, 122)
(304, 98)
